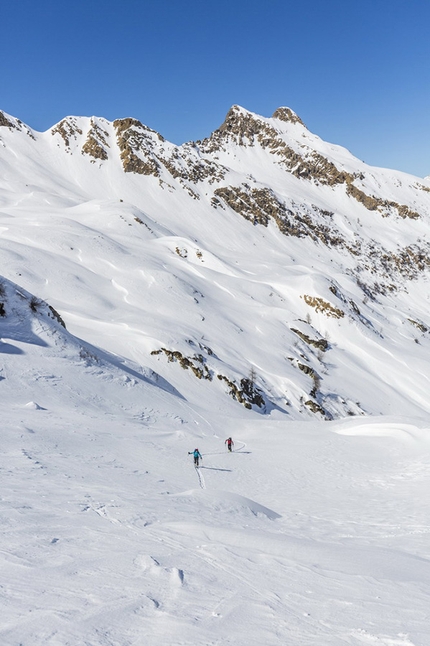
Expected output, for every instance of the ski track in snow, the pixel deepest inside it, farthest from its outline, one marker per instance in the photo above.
(201, 478)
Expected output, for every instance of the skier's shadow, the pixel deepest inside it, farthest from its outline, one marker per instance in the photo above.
(215, 469)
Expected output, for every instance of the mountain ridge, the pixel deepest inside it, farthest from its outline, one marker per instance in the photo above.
(254, 248)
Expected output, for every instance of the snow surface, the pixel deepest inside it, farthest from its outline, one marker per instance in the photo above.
(311, 532)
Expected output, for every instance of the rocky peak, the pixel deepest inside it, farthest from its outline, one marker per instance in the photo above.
(137, 147)
(245, 128)
(240, 127)
(240, 124)
(286, 114)
(6, 121)
(69, 131)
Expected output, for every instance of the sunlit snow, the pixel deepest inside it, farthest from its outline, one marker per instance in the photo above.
(311, 532)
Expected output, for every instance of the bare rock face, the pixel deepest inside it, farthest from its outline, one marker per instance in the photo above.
(15, 125)
(144, 151)
(385, 207)
(255, 205)
(245, 129)
(68, 130)
(240, 127)
(4, 122)
(136, 147)
(286, 114)
(96, 143)
(184, 163)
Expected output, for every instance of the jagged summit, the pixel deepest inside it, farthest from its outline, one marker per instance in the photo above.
(239, 115)
(246, 128)
(286, 114)
(14, 124)
(239, 123)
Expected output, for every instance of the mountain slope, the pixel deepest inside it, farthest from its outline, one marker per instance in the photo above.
(307, 532)
(256, 285)
(44, 367)
(261, 263)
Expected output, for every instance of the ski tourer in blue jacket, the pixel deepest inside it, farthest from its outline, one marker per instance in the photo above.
(197, 456)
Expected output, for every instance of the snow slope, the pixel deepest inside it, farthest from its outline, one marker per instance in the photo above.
(183, 307)
(307, 533)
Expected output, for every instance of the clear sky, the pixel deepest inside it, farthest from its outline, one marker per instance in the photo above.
(357, 73)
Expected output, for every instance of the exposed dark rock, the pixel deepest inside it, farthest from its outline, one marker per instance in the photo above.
(320, 305)
(247, 394)
(384, 207)
(286, 114)
(423, 328)
(183, 165)
(94, 149)
(423, 188)
(306, 369)
(321, 344)
(255, 206)
(96, 142)
(35, 303)
(56, 316)
(67, 129)
(4, 122)
(197, 363)
(316, 408)
(135, 141)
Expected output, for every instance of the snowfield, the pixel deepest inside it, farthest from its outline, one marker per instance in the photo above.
(315, 530)
(307, 533)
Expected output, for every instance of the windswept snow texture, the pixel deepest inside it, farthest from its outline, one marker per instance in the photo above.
(260, 284)
(307, 533)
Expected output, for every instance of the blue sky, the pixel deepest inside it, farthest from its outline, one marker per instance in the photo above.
(357, 73)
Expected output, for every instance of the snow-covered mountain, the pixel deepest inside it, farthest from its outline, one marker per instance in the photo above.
(271, 266)
(263, 284)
